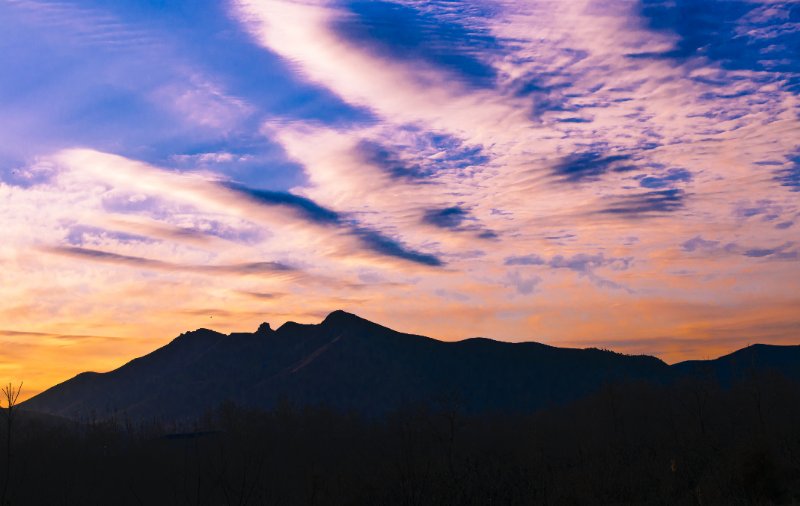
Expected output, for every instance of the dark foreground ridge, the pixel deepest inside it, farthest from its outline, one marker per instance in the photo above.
(350, 364)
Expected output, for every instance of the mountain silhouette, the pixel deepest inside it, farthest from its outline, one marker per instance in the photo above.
(351, 364)
(754, 359)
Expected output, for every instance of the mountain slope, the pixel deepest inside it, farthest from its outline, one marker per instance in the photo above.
(345, 362)
(756, 358)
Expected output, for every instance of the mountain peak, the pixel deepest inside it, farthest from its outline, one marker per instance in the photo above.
(200, 333)
(340, 317)
(264, 328)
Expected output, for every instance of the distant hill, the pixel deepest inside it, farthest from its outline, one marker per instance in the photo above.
(756, 358)
(351, 364)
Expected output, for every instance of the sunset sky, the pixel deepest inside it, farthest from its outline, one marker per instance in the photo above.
(621, 173)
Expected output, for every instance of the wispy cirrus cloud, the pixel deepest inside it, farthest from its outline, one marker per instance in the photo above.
(254, 268)
(371, 239)
(583, 264)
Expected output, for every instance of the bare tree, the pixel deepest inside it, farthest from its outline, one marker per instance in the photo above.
(10, 394)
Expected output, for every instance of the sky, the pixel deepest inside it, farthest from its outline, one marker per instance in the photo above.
(619, 174)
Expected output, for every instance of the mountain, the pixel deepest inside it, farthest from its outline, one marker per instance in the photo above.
(756, 358)
(351, 364)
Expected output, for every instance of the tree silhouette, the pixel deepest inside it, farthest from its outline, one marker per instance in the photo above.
(10, 394)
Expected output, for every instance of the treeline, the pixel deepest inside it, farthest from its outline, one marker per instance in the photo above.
(692, 443)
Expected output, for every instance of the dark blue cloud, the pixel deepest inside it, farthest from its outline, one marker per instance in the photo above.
(644, 204)
(574, 120)
(306, 207)
(545, 98)
(790, 176)
(760, 252)
(452, 155)
(389, 162)
(549, 86)
(777, 253)
(590, 166)
(454, 218)
(449, 217)
(372, 240)
(563, 236)
(384, 245)
(737, 34)
(666, 180)
(403, 32)
(488, 234)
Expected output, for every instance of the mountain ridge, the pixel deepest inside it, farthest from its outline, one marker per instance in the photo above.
(352, 364)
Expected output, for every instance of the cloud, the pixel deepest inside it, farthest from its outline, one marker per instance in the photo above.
(448, 217)
(582, 263)
(737, 34)
(697, 243)
(666, 180)
(263, 295)
(790, 177)
(524, 285)
(79, 235)
(380, 243)
(646, 204)
(371, 239)
(422, 157)
(390, 163)
(590, 165)
(457, 219)
(311, 35)
(211, 158)
(273, 209)
(248, 268)
(768, 209)
(307, 208)
(66, 337)
(778, 252)
(525, 260)
(28, 176)
(404, 32)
